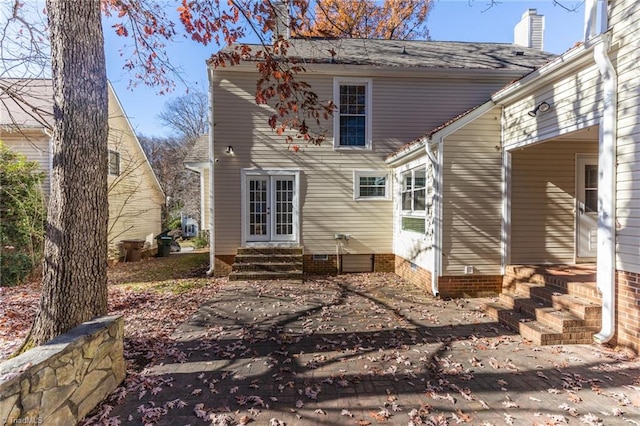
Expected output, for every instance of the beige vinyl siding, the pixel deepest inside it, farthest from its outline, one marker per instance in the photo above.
(412, 246)
(135, 199)
(543, 201)
(625, 21)
(575, 101)
(204, 198)
(402, 110)
(36, 147)
(472, 197)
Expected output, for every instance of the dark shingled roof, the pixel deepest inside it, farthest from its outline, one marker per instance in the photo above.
(416, 54)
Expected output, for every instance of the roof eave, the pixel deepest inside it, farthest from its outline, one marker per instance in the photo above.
(407, 154)
(570, 60)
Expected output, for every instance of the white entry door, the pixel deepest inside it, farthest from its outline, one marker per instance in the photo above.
(271, 208)
(586, 207)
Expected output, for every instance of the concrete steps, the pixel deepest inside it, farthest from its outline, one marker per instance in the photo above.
(546, 307)
(267, 263)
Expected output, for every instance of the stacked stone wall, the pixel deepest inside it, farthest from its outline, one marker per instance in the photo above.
(60, 382)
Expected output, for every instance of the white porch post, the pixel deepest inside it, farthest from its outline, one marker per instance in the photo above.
(212, 162)
(506, 211)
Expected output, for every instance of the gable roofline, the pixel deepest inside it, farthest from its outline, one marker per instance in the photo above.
(573, 58)
(405, 153)
(135, 138)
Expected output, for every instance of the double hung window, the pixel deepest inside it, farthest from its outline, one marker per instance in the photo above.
(352, 119)
(414, 200)
(114, 163)
(370, 185)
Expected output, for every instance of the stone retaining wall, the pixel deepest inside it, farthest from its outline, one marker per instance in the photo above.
(60, 382)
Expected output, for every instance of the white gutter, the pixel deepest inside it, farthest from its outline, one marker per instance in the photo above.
(606, 271)
(437, 212)
(212, 161)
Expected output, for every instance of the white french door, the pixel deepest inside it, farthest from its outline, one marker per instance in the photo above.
(586, 207)
(270, 208)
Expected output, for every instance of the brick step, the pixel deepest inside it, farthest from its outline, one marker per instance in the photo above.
(261, 258)
(543, 297)
(257, 275)
(270, 250)
(585, 290)
(536, 331)
(267, 266)
(582, 285)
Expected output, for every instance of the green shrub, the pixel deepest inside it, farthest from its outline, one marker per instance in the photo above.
(201, 240)
(22, 216)
(175, 223)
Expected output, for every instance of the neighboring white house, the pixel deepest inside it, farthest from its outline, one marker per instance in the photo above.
(135, 195)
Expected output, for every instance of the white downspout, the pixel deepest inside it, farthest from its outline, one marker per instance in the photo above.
(437, 215)
(606, 271)
(212, 161)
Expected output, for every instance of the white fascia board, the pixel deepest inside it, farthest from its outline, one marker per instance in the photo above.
(414, 151)
(565, 63)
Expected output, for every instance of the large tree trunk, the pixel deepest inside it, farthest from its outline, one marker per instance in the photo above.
(74, 286)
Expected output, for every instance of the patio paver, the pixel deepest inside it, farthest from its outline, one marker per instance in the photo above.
(371, 349)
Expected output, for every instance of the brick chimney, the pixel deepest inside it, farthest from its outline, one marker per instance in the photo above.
(529, 32)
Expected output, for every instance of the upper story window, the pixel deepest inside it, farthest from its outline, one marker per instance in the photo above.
(114, 163)
(352, 119)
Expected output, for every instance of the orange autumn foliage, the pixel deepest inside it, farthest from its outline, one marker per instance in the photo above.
(389, 19)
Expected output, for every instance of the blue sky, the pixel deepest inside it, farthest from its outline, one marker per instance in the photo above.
(450, 20)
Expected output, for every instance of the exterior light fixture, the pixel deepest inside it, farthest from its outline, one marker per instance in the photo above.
(228, 150)
(541, 107)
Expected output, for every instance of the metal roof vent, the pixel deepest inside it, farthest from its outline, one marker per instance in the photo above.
(518, 53)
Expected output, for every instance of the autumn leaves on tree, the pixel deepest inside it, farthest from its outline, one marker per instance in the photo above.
(388, 19)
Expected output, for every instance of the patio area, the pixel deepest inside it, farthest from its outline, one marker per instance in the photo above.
(369, 349)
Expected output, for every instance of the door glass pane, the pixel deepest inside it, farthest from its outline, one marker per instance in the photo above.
(591, 188)
(284, 206)
(257, 207)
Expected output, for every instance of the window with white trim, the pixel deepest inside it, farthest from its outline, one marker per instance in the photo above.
(114, 163)
(414, 200)
(352, 118)
(370, 185)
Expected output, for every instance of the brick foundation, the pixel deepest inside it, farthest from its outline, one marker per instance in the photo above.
(628, 310)
(384, 263)
(381, 263)
(223, 264)
(413, 274)
(319, 267)
(470, 285)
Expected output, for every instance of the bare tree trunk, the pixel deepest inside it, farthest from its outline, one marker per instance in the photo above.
(74, 287)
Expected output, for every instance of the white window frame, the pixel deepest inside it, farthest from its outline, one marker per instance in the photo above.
(357, 174)
(412, 213)
(344, 81)
(116, 154)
